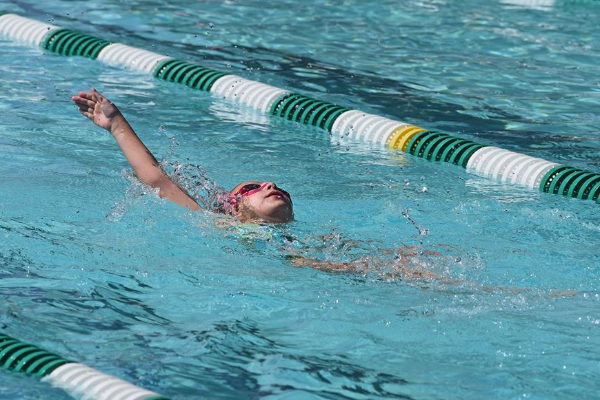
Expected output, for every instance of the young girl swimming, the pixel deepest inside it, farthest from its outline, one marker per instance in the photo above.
(251, 201)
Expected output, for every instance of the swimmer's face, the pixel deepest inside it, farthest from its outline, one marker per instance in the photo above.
(263, 201)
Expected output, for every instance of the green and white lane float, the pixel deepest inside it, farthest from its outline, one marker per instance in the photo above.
(502, 165)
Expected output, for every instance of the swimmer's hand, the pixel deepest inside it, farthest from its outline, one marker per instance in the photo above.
(99, 110)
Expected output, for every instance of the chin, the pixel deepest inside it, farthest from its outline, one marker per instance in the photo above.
(279, 218)
(279, 211)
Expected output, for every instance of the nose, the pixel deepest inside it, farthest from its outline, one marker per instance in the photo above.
(269, 185)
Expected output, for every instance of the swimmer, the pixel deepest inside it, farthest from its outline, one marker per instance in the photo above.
(251, 201)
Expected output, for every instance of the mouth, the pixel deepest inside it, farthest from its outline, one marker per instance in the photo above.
(278, 194)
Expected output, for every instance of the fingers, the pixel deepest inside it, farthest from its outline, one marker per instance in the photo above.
(86, 114)
(83, 104)
(432, 253)
(89, 98)
(83, 107)
(98, 97)
(86, 101)
(86, 95)
(83, 101)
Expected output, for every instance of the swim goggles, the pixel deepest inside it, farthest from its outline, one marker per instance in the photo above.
(252, 188)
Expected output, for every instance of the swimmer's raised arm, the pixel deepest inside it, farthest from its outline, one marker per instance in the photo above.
(107, 116)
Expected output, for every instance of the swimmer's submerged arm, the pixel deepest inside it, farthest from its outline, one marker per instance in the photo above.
(402, 268)
(327, 266)
(106, 115)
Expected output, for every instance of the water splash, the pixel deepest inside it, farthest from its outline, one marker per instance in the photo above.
(194, 179)
(422, 230)
(134, 192)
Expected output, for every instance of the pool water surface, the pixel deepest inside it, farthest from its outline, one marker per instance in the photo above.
(96, 268)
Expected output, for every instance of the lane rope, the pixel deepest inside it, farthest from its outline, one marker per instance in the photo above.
(76, 379)
(501, 165)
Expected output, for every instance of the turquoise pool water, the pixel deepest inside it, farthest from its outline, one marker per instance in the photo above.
(96, 268)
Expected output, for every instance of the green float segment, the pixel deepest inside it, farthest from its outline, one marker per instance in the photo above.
(572, 182)
(191, 75)
(31, 360)
(499, 164)
(68, 43)
(306, 110)
(436, 146)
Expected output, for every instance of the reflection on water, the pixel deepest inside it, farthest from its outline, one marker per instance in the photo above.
(96, 268)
